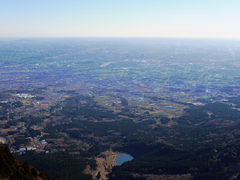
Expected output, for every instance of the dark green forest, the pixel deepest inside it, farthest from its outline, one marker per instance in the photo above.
(60, 165)
(12, 168)
(206, 146)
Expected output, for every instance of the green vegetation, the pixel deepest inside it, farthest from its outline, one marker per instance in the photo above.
(206, 163)
(74, 108)
(60, 165)
(12, 168)
(193, 144)
(171, 103)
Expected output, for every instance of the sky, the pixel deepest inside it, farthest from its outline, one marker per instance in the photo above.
(120, 18)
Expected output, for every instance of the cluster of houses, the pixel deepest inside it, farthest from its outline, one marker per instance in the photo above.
(38, 146)
(25, 96)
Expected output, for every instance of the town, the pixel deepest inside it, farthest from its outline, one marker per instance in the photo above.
(95, 102)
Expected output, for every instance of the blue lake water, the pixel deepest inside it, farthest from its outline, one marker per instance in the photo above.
(121, 158)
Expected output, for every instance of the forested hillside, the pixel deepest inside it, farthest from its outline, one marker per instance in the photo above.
(12, 168)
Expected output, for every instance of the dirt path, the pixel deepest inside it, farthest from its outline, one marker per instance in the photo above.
(106, 162)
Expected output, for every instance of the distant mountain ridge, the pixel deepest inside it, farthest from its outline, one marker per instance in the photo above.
(12, 168)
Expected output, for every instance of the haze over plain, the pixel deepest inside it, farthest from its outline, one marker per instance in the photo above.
(106, 18)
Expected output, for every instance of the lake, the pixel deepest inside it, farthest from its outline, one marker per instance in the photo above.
(121, 158)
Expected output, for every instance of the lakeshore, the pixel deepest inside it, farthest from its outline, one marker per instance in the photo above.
(106, 161)
(121, 158)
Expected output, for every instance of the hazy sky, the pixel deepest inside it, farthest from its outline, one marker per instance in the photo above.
(120, 18)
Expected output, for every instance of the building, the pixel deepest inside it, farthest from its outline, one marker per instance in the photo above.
(3, 140)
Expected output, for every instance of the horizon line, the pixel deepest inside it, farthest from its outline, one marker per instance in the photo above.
(170, 37)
